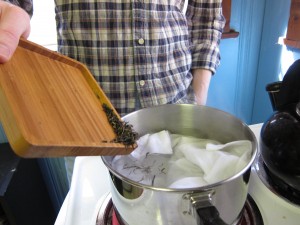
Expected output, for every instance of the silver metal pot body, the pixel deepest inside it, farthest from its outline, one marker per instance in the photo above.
(218, 203)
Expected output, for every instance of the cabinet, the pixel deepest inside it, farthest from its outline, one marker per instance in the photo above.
(228, 32)
(293, 33)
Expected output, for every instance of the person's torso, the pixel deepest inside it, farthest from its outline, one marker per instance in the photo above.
(135, 49)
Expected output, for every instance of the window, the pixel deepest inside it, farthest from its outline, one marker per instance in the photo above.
(43, 13)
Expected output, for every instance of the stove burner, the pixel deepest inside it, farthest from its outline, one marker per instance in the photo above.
(251, 214)
(108, 215)
(276, 185)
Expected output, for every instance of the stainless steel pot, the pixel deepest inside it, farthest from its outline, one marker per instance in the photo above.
(218, 203)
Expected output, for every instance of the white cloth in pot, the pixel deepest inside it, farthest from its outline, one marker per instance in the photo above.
(176, 161)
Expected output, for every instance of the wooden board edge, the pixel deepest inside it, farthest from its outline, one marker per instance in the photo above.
(69, 151)
(12, 131)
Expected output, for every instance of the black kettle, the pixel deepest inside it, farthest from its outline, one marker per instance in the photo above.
(280, 134)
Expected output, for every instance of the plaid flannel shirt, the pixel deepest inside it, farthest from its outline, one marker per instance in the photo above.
(141, 52)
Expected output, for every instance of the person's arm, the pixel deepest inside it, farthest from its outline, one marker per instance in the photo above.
(14, 23)
(27, 5)
(201, 81)
(206, 23)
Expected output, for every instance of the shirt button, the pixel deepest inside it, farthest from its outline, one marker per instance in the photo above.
(142, 83)
(141, 41)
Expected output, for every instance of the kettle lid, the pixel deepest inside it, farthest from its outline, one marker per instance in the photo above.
(290, 86)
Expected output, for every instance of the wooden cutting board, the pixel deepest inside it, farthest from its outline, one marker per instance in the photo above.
(51, 106)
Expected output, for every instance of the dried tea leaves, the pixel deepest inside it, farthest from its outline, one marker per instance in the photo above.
(124, 131)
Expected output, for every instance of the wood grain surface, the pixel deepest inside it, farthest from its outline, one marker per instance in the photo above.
(51, 106)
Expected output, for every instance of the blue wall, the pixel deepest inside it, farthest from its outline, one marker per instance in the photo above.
(233, 86)
(252, 60)
(274, 58)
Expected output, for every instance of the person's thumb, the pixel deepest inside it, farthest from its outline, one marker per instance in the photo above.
(14, 23)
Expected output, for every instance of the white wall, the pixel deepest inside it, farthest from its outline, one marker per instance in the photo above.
(43, 26)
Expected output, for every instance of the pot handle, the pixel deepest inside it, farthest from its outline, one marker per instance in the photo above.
(203, 209)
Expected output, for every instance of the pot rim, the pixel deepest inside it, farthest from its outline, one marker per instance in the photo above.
(200, 188)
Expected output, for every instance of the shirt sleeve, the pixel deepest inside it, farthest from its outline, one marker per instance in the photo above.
(27, 5)
(206, 23)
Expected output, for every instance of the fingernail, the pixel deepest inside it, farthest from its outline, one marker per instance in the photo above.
(4, 52)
